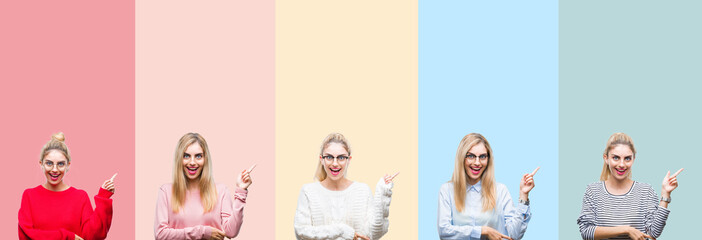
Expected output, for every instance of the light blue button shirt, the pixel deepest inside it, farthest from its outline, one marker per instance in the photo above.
(505, 218)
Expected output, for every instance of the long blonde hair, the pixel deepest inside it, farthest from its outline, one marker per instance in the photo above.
(320, 174)
(460, 177)
(56, 143)
(208, 190)
(613, 141)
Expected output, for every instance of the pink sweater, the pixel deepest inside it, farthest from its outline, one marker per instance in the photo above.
(191, 223)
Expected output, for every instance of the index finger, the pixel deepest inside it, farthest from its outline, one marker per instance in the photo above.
(535, 170)
(676, 173)
(394, 175)
(251, 168)
(505, 236)
(113, 177)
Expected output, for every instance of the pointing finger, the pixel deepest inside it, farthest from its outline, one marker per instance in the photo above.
(535, 170)
(676, 173)
(251, 168)
(113, 177)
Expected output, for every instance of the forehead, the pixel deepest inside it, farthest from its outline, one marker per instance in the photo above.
(478, 149)
(621, 150)
(55, 155)
(335, 149)
(194, 149)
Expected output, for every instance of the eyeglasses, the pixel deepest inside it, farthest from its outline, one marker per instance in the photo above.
(50, 165)
(330, 159)
(472, 157)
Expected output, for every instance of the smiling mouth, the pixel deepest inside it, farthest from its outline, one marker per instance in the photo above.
(192, 170)
(54, 177)
(335, 172)
(475, 170)
(620, 171)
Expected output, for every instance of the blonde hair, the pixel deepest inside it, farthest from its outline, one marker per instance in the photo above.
(614, 140)
(208, 190)
(56, 143)
(320, 174)
(460, 177)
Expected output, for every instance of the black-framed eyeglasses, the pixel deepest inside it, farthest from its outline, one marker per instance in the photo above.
(340, 158)
(472, 157)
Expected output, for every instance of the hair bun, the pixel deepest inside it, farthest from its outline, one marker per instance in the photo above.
(58, 137)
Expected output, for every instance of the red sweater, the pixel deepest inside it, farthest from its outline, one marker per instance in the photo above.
(46, 214)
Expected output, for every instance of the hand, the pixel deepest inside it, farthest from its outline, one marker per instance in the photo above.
(527, 184)
(243, 181)
(635, 234)
(492, 234)
(78, 237)
(388, 179)
(359, 236)
(109, 184)
(670, 183)
(216, 234)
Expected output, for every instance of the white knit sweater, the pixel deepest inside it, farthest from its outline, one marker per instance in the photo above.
(335, 215)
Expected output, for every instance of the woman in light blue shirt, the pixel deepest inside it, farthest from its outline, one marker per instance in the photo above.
(473, 206)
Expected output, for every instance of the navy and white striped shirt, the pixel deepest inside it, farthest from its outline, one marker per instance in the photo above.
(637, 208)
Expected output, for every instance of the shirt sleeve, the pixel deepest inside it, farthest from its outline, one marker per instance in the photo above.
(95, 224)
(233, 211)
(444, 221)
(164, 232)
(656, 217)
(26, 229)
(587, 220)
(516, 219)
(305, 231)
(379, 210)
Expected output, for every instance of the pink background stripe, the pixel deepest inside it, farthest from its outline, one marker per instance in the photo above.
(207, 67)
(68, 66)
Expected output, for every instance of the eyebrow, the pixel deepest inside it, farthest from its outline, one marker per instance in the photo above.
(329, 154)
(622, 156)
(476, 154)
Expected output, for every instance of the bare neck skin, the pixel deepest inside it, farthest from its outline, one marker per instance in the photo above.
(618, 187)
(338, 185)
(56, 188)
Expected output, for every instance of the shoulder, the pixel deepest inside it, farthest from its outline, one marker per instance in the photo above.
(166, 187)
(359, 187)
(310, 187)
(447, 186)
(222, 189)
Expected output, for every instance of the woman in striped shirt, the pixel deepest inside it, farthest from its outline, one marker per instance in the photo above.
(618, 207)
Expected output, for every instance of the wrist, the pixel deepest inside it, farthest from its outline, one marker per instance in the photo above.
(524, 196)
(665, 194)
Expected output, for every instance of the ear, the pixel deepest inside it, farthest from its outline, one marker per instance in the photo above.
(604, 157)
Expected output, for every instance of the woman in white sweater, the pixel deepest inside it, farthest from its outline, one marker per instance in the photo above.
(336, 207)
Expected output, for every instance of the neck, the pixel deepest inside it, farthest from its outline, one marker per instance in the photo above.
(615, 184)
(193, 184)
(473, 181)
(336, 185)
(56, 188)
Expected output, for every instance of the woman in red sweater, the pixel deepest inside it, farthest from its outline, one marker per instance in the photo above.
(54, 210)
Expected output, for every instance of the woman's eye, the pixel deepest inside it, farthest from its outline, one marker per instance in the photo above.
(627, 158)
(61, 164)
(198, 156)
(615, 158)
(342, 158)
(186, 156)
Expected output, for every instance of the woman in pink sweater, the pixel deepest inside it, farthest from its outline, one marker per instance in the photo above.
(193, 206)
(55, 210)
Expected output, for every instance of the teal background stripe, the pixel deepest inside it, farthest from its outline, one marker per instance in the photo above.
(634, 67)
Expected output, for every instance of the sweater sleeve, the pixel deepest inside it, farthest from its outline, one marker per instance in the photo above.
(587, 220)
(26, 226)
(305, 231)
(164, 232)
(95, 224)
(233, 211)
(446, 229)
(516, 219)
(656, 216)
(379, 209)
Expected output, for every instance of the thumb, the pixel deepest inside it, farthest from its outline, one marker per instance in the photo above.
(668, 174)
